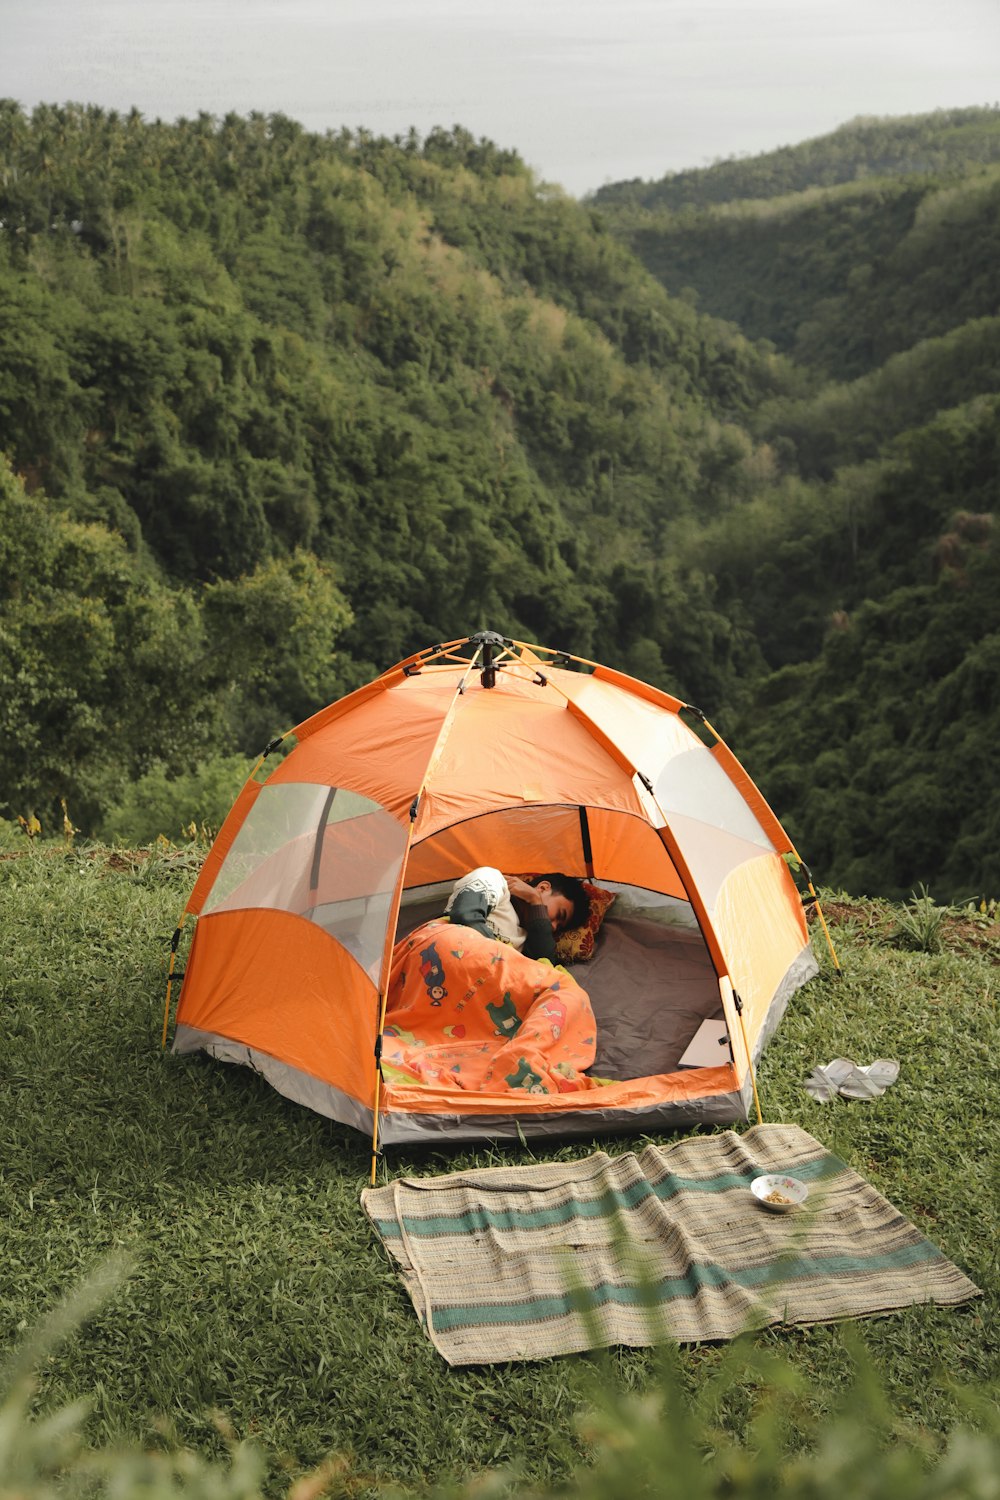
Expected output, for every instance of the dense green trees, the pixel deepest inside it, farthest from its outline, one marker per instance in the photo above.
(413, 363)
(108, 671)
(881, 749)
(840, 278)
(866, 567)
(947, 141)
(280, 408)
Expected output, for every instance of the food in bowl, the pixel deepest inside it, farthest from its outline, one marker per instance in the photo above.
(778, 1191)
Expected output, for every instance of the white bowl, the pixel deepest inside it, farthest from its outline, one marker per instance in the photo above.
(779, 1192)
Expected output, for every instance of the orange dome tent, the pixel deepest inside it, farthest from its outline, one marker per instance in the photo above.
(490, 752)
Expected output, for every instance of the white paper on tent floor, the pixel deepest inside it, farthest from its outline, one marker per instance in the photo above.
(705, 1048)
(843, 1076)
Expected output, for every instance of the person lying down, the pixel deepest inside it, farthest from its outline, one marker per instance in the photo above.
(475, 999)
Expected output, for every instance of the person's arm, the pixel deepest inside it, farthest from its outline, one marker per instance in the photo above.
(540, 940)
(471, 908)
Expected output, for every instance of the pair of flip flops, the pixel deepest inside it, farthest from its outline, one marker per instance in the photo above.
(843, 1076)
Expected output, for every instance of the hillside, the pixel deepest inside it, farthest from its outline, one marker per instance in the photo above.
(948, 140)
(234, 345)
(872, 584)
(840, 277)
(279, 409)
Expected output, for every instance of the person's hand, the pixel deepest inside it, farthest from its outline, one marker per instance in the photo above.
(523, 891)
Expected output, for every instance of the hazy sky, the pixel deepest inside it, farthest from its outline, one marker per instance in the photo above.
(588, 91)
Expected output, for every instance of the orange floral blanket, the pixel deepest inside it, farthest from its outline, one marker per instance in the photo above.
(473, 1013)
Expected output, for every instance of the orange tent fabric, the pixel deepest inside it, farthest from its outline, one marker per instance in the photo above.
(485, 751)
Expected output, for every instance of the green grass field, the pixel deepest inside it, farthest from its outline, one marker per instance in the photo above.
(256, 1287)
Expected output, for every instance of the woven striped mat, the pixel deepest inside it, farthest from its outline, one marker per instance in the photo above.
(528, 1262)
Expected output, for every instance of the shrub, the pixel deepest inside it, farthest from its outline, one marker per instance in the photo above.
(160, 805)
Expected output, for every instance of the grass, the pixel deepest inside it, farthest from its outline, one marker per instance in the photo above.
(256, 1287)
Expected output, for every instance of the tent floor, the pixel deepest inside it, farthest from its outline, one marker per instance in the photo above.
(651, 987)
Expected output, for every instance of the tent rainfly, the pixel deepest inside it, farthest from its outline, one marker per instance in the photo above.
(490, 752)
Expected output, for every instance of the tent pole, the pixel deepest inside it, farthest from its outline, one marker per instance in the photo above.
(822, 919)
(174, 941)
(753, 1076)
(378, 1098)
(435, 755)
(819, 912)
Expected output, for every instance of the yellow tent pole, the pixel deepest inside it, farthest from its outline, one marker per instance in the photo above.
(435, 756)
(826, 930)
(738, 1003)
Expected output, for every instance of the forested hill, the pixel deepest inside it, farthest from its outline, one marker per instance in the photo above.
(949, 140)
(884, 291)
(278, 409)
(330, 392)
(840, 268)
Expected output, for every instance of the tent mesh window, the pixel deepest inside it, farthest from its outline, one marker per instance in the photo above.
(320, 852)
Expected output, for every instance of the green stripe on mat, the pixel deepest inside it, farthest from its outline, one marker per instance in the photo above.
(535, 1309)
(608, 1201)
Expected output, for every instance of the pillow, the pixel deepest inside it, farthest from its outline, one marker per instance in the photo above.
(575, 945)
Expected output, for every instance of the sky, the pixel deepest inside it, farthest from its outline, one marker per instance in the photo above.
(587, 91)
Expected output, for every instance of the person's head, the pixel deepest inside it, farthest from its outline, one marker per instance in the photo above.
(565, 900)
